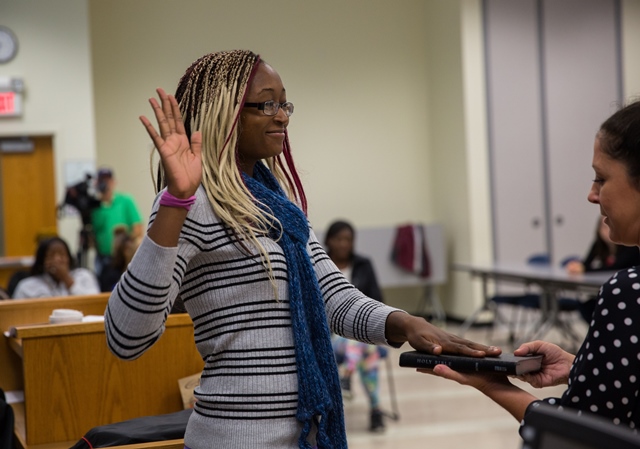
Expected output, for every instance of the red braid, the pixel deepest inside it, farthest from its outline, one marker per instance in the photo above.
(291, 172)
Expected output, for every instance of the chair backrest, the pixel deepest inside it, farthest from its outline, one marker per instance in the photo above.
(544, 259)
(539, 259)
(547, 427)
(15, 279)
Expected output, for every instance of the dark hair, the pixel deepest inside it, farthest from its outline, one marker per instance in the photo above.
(620, 139)
(120, 240)
(105, 172)
(335, 228)
(601, 249)
(41, 254)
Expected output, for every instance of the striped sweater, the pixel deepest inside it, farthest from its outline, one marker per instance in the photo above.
(247, 396)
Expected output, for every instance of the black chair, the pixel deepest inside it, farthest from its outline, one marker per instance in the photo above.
(523, 304)
(7, 420)
(146, 429)
(15, 279)
(519, 304)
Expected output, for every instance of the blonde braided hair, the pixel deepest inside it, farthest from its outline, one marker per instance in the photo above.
(211, 95)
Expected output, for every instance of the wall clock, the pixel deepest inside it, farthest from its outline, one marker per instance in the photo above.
(8, 45)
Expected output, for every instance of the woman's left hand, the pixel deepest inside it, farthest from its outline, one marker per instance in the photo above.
(480, 381)
(425, 337)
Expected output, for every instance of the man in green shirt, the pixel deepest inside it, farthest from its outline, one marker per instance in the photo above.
(116, 210)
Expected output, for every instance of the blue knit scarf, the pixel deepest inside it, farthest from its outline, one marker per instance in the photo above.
(319, 396)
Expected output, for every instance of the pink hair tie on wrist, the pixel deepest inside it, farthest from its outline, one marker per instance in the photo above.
(169, 200)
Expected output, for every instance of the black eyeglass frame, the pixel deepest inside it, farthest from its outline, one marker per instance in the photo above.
(262, 105)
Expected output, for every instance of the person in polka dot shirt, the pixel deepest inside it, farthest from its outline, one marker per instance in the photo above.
(603, 378)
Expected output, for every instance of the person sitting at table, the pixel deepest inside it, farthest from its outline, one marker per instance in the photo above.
(604, 255)
(54, 274)
(604, 376)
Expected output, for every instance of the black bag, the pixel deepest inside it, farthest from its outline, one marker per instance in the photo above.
(6, 423)
(138, 430)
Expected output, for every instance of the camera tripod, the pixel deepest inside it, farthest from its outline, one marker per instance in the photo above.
(85, 238)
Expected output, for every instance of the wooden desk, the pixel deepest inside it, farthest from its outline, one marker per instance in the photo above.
(72, 382)
(19, 312)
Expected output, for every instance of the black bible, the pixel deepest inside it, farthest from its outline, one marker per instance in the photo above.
(507, 364)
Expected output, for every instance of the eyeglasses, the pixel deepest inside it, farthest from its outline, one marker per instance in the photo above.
(271, 107)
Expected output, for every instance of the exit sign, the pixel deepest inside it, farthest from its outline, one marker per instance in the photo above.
(10, 104)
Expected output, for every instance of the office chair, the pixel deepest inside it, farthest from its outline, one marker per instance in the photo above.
(15, 279)
(519, 303)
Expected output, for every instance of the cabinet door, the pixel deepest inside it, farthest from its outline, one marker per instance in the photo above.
(515, 129)
(553, 76)
(581, 60)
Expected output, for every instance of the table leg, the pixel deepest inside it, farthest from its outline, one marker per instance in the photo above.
(464, 327)
(548, 318)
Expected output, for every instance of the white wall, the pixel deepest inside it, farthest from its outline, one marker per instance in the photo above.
(356, 71)
(390, 115)
(631, 48)
(458, 142)
(54, 61)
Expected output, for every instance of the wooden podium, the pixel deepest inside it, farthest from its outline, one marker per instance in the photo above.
(72, 382)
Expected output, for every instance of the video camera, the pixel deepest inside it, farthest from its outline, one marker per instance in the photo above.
(82, 197)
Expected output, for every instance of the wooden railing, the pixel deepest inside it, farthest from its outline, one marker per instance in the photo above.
(72, 382)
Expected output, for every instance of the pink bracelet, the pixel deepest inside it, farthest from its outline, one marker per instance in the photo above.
(171, 201)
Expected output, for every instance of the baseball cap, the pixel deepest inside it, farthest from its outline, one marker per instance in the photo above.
(105, 173)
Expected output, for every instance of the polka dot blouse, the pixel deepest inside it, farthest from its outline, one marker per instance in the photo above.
(605, 376)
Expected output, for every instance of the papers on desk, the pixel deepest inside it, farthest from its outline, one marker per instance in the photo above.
(59, 316)
(14, 397)
(187, 385)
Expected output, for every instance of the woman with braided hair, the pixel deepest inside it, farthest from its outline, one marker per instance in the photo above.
(229, 235)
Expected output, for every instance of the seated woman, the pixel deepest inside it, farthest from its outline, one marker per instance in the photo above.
(54, 274)
(124, 247)
(354, 355)
(604, 255)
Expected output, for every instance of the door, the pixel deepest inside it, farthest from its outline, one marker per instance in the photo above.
(515, 129)
(27, 190)
(581, 58)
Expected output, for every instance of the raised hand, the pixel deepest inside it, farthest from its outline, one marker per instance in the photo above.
(181, 158)
(556, 364)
